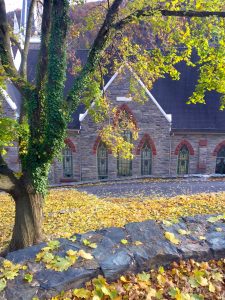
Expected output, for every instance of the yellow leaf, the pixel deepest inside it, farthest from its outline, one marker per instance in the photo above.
(123, 279)
(7, 264)
(202, 281)
(212, 288)
(183, 232)
(138, 243)
(71, 252)
(84, 254)
(171, 237)
(161, 279)
(218, 229)
(93, 245)
(124, 242)
(151, 293)
(82, 293)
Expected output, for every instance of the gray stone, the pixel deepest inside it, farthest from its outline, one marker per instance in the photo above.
(115, 234)
(115, 263)
(66, 245)
(156, 249)
(153, 255)
(53, 282)
(3, 296)
(216, 241)
(92, 236)
(146, 232)
(197, 218)
(24, 255)
(18, 289)
(196, 250)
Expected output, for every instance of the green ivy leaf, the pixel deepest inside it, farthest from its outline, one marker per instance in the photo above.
(28, 277)
(2, 284)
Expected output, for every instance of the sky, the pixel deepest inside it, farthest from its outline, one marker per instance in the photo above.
(13, 4)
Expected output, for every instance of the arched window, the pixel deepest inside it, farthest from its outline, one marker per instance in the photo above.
(67, 163)
(220, 161)
(146, 160)
(124, 166)
(183, 160)
(102, 160)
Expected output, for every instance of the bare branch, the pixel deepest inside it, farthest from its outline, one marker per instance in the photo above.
(148, 12)
(23, 68)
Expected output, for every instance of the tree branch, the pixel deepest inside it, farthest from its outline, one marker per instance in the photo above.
(192, 13)
(99, 45)
(14, 40)
(5, 46)
(148, 12)
(23, 67)
(6, 54)
(44, 49)
(8, 181)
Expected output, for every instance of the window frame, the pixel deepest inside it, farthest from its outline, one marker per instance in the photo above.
(104, 176)
(219, 157)
(127, 134)
(70, 155)
(179, 160)
(149, 159)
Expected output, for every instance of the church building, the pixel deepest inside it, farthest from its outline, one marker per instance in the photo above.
(175, 138)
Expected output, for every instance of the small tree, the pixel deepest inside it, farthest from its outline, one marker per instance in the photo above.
(198, 24)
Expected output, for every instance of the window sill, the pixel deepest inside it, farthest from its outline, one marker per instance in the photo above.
(67, 180)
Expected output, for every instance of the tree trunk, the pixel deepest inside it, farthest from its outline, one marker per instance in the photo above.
(27, 229)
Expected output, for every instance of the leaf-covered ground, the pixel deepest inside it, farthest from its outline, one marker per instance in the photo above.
(184, 281)
(69, 211)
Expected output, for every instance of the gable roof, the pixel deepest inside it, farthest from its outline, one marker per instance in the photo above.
(126, 65)
(171, 96)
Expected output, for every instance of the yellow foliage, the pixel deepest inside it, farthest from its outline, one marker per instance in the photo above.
(67, 212)
(188, 280)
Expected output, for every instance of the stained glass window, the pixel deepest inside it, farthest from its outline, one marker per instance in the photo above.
(67, 163)
(220, 161)
(124, 166)
(146, 160)
(183, 161)
(102, 160)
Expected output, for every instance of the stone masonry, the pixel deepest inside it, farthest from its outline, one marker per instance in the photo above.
(112, 258)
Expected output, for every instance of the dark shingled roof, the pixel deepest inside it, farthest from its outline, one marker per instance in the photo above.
(172, 95)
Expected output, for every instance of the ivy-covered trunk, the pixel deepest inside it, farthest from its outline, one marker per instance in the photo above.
(27, 229)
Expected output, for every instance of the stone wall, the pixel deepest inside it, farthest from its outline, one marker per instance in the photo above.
(146, 248)
(149, 120)
(203, 161)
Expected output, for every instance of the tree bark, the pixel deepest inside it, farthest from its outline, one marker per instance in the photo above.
(27, 229)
